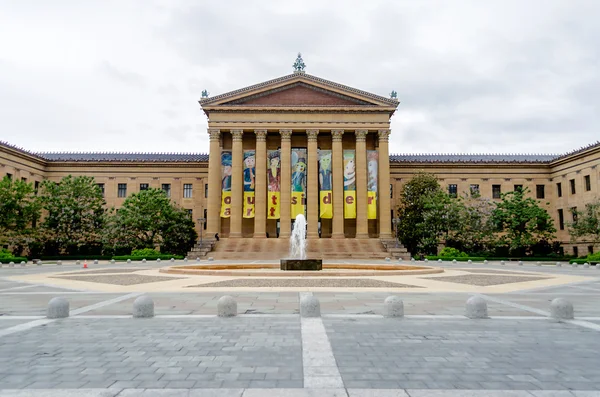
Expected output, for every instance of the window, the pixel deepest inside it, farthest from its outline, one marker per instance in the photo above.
(206, 191)
(36, 186)
(9, 176)
(391, 192)
(559, 189)
(190, 213)
(205, 219)
(561, 220)
(474, 190)
(101, 187)
(590, 249)
(187, 190)
(143, 186)
(575, 251)
(452, 190)
(574, 213)
(540, 191)
(572, 182)
(166, 187)
(122, 190)
(518, 188)
(588, 183)
(24, 179)
(496, 191)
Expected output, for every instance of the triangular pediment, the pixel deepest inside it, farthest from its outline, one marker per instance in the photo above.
(298, 89)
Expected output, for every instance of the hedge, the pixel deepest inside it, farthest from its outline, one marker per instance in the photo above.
(15, 259)
(531, 258)
(457, 258)
(72, 257)
(582, 261)
(148, 258)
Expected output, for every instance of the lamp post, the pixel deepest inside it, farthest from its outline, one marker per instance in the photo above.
(395, 222)
(201, 222)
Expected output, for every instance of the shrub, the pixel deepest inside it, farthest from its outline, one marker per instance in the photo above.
(5, 254)
(145, 252)
(449, 252)
(594, 257)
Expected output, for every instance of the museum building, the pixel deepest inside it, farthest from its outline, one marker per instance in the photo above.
(300, 144)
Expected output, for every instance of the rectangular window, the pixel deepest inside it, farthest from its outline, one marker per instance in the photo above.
(206, 191)
(572, 182)
(518, 187)
(391, 191)
(166, 187)
(36, 186)
(205, 215)
(452, 190)
(590, 249)
(474, 190)
(144, 186)
(190, 213)
(561, 220)
(588, 183)
(9, 176)
(496, 191)
(540, 191)
(24, 179)
(122, 190)
(574, 213)
(187, 190)
(559, 189)
(101, 187)
(575, 251)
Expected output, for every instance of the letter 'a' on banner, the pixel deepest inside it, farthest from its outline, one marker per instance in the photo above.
(273, 184)
(225, 204)
(248, 205)
(225, 184)
(325, 185)
(372, 182)
(349, 184)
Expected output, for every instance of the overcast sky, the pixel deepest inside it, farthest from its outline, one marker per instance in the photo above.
(472, 76)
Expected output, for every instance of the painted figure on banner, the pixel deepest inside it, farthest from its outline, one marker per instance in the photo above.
(372, 164)
(349, 173)
(274, 171)
(325, 180)
(226, 171)
(249, 170)
(299, 175)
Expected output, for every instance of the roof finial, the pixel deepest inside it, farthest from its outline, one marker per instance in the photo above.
(393, 95)
(205, 93)
(299, 64)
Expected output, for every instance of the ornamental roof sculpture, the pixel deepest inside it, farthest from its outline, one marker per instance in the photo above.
(299, 64)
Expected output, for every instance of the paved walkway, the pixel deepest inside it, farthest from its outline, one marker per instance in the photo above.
(269, 350)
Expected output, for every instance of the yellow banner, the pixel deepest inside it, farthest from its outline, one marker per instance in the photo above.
(225, 204)
(272, 205)
(371, 205)
(326, 204)
(350, 204)
(298, 203)
(248, 205)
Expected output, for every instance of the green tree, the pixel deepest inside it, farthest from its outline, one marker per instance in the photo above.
(587, 223)
(472, 230)
(19, 211)
(74, 213)
(521, 222)
(149, 219)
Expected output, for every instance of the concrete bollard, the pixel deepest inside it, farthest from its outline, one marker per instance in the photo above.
(58, 308)
(558, 264)
(561, 309)
(440, 260)
(158, 260)
(78, 262)
(128, 260)
(23, 263)
(185, 259)
(393, 307)
(95, 261)
(485, 261)
(574, 265)
(197, 259)
(538, 263)
(226, 306)
(586, 265)
(112, 261)
(454, 261)
(469, 261)
(426, 260)
(172, 259)
(412, 259)
(502, 263)
(144, 260)
(310, 306)
(476, 307)
(39, 263)
(59, 263)
(520, 263)
(210, 259)
(598, 266)
(143, 307)
(11, 264)
(387, 259)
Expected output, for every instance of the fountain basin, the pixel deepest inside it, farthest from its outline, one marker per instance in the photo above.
(301, 264)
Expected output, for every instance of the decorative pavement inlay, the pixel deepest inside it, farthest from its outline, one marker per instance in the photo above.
(305, 282)
(484, 280)
(120, 279)
(102, 271)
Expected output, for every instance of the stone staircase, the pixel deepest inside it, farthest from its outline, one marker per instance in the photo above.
(394, 252)
(201, 250)
(276, 248)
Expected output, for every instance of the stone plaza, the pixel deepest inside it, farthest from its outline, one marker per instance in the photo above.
(303, 336)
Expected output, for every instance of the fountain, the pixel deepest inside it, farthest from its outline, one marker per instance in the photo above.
(297, 260)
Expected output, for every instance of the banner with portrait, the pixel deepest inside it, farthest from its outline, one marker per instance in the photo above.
(249, 181)
(273, 183)
(225, 184)
(298, 198)
(372, 181)
(325, 185)
(349, 184)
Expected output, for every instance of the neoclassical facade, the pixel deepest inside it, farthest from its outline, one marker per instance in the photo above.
(300, 144)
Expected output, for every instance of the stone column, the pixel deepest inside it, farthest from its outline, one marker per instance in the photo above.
(362, 227)
(285, 222)
(385, 229)
(237, 180)
(260, 185)
(213, 217)
(337, 167)
(312, 199)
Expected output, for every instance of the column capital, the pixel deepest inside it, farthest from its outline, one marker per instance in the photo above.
(312, 134)
(336, 135)
(261, 135)
(383, 135)
(214, 133)
(286, 135)
(361, 135)
(237, 135)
